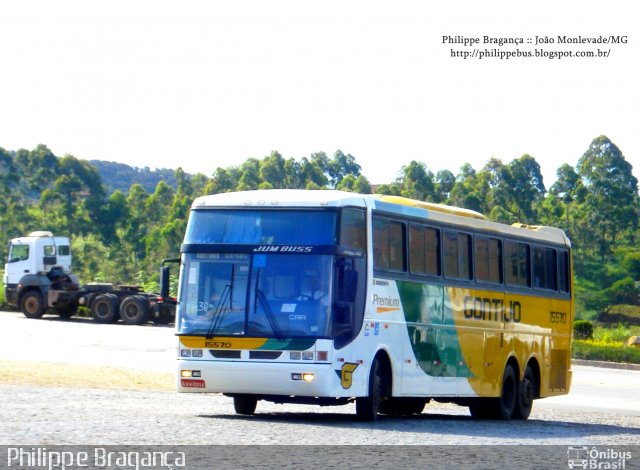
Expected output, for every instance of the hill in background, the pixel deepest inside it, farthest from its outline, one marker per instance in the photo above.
(121, 176)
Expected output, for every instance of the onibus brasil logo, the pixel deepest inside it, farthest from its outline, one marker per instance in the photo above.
(594, 458)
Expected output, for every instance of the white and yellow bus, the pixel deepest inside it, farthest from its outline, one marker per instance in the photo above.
(327, 297)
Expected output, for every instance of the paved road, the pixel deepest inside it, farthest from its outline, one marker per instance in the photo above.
(602, 408)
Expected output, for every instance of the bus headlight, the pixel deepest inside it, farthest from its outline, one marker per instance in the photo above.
(304, 376)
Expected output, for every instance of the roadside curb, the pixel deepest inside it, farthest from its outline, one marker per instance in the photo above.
(608, 365)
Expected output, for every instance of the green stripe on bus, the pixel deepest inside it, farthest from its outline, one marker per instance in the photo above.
(431, 328)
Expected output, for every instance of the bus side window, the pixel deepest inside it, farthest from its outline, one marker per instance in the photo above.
(353, 229)
(517, 264)
(563, 271)
(388, 245)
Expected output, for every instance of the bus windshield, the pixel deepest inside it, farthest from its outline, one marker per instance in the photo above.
(260, 295)
(262, 227)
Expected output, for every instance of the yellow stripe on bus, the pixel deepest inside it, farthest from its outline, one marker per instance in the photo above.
(222, 342)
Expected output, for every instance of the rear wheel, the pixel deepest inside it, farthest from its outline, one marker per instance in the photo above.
(134, 310)
(367, 408)
(498, 408)
(245, 404)
(32, 305)
(526, 394)
(507, 401)
(104, 308)
(166, 314)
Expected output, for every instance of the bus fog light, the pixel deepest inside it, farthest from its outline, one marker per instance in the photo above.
(307, 377)
(185, 353)
(296, 376)
(196, 373)
(185, 373)
(307, 356)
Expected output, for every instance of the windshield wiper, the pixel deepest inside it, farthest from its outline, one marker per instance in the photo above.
(264, 303)
(219, 311)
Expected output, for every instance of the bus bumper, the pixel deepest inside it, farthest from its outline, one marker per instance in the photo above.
(299, 379)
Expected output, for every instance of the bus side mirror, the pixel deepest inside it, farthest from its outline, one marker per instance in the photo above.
(165, 277)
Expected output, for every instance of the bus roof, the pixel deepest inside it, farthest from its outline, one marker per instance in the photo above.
(287, 198)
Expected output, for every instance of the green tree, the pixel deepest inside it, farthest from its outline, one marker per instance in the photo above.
(610, 208)
(417, 182)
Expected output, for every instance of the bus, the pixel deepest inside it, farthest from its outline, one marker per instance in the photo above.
(329, 298)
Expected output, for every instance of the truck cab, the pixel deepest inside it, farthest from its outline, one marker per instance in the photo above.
(37, 263)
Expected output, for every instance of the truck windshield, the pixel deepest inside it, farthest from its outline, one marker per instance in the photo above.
(266, 295)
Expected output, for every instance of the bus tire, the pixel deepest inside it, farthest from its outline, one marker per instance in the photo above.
(31, 304)
(526, 394)
(104, 308)
(506, 402)
(501, 408)
(245, 404)
(367, 408)
(134, 310)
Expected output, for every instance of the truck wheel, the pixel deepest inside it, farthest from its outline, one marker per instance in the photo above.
(105, 308)
(165, 315)
(134, 310)
(68, 310)
(31, 304)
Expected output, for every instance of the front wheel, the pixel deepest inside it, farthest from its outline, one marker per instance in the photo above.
(367, 408)
(245, 404)
(32, 305)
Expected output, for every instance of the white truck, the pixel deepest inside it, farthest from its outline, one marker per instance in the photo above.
(38, 278)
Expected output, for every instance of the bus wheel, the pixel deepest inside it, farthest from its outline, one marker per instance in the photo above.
(367, 408)
(526, 394)
(134, 310)
(31, 304)
(245, 404)
(506, 403)
(105, 308)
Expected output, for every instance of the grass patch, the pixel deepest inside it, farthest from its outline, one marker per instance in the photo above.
(609, 344)
(47, 374)
(596, 351)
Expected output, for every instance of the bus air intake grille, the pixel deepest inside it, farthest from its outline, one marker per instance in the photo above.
(218, 354)
(265, 354)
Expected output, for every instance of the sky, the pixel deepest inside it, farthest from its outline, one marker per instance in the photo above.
(207, 84)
